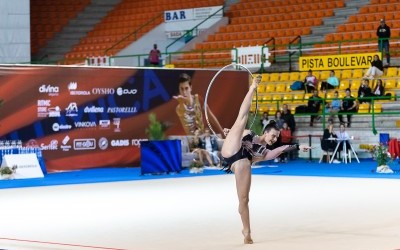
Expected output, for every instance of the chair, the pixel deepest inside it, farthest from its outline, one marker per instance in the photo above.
(390, 84)
(281, 87)
(274, 77)
(346, 73)
(325, 152)
(358, 73)
(392, 71)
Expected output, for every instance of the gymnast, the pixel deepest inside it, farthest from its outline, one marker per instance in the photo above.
(243, 147)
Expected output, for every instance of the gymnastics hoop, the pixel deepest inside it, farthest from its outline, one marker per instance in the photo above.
(208, 91)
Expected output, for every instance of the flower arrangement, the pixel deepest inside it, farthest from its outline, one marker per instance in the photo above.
(196, 167)
(8, 172)
(381, 154)
(156, 129)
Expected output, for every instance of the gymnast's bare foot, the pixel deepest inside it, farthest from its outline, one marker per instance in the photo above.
(247, 237)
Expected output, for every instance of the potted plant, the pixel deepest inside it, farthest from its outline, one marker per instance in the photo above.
(156, 129)
(196, 167)
(382, 156)
(7, 172)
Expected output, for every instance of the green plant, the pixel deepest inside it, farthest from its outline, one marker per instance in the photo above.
(8, 170)
(381, 154)
(156, 129)
(196, 164)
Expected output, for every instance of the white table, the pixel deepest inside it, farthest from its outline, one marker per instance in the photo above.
(339, 141)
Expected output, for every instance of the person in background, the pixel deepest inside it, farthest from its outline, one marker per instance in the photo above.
(210, 144)
(364, 91)
(286, 139)
(288, 117)
(278, 119)
(264, 120)
(348, 105)
(331, 83)
(375, 70)
(154, 56)
(310, 82)
(196, 147)
(383, 33)
(313, 106)
(333, 107)
(343, 137)
(379, 90)
(328, 143)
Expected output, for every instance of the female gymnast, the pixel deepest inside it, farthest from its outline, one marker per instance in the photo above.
(242, 147)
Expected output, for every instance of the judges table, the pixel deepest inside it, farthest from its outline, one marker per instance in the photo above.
(343, 141)
(29, 160)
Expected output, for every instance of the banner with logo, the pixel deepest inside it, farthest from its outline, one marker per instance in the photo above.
(87, 117)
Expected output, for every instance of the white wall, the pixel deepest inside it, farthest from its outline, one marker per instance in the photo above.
(15, 38)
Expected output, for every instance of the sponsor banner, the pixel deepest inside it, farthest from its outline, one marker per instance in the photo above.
(177, 22)
(84, 117)
(251, 56)
(331, 62)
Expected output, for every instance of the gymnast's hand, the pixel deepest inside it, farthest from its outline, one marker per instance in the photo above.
(226, 131)
(256, 81)
(305, 148)
(181, 98)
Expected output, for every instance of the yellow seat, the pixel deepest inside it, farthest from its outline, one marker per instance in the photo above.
(287, 98)
(266, 98)
(341, 95)
(294, 76)
(391, 72)
(274, 77)
(277, 97)
(298, 97)
(272, 110)
(355, 84)
(329, 96)
(264, 77)
(392, 95)
(281, 87)
(344, 84)
(363, 108)
(284, 77)
(358, 73)
(390, 84)
(302, 75)
(269, 88)
(346, 74)
(261, 88)
(377, 108)
(324, 75)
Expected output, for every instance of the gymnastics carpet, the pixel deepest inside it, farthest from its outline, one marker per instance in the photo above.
(365, 169)
(294, 206)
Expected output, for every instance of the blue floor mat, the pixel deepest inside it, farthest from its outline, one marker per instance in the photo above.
(365, 169)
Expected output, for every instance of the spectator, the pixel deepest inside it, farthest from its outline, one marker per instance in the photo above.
(286, 139)
(196, 147)
(210, 144)
(278, 119)
(383, 33)
(328, 143)
(349, 105)
(154, 56)
(379, 90)
(288, 117)
(376, 68)
(310, 82)
(331, 83)
(364, 91)
(314, 103)
(264, 120)
(343, 137)
(334, 107)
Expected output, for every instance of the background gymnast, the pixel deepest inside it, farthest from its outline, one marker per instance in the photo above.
(243, 147)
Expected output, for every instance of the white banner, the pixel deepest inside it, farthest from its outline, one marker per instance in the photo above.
(251, 56)
(27, 166)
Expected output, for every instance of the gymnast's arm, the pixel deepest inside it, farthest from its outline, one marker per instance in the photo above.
(272, 154)
(214, 122)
